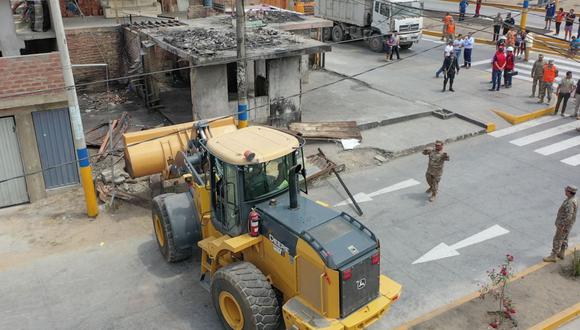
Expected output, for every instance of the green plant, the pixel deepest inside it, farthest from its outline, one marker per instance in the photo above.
(497, 288)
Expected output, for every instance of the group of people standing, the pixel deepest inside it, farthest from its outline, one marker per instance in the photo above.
(544, 75)
(560, 17)
(451, 55)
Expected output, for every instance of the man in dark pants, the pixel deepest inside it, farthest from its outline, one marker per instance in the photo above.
(450, 68)
(395, 46)
(508, 23)
(497, 66)
(565, 89)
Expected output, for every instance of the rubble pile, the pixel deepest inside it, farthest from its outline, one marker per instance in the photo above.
(273, 16)
(210, 41)
(100, 101)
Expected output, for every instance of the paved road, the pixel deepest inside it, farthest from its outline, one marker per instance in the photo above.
(490, 181)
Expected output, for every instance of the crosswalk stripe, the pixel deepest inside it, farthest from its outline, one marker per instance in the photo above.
(523, 126)
(545, 134)
(559, 60)
(557, 147)
(574, 160)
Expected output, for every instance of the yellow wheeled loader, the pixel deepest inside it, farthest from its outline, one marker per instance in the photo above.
(271, 255)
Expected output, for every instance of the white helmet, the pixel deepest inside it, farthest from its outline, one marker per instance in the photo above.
(510, 49)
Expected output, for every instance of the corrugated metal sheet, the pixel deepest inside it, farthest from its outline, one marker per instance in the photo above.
(56, 148)
(12, 192)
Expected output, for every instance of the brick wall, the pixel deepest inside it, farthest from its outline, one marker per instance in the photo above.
(28, 73)
(95, 45)
(88, 8)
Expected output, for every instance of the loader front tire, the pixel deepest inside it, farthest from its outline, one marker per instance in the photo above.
(244, 299)
(164, 233)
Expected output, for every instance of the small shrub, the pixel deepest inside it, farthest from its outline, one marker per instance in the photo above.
(497, 288)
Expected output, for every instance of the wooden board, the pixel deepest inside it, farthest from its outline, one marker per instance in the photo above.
(336, 130)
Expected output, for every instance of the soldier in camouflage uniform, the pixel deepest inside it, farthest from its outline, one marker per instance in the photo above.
(435, 169)
(564, 222)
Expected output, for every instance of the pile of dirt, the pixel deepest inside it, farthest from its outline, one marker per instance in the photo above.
(89, 102)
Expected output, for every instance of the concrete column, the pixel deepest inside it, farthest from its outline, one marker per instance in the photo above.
(284, 80)
(209, 91)
(29, 154)
(10, 44)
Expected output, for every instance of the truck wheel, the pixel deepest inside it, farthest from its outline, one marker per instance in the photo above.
(376, 43)
(164, 232)
(244, 299)
(326, 34)
(337, 33)
(406, 46)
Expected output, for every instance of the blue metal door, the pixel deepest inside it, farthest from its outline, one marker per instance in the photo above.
(56, 148)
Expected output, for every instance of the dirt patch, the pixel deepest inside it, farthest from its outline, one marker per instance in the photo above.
(59, 224)
(536, 296)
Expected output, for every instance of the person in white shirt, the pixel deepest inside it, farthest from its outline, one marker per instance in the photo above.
(529, 44)
(446, 52)
(468, 43)
(457, 45)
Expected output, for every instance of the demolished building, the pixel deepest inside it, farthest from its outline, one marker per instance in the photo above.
(205, 49)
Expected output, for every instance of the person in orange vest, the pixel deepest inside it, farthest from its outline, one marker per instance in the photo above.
(451, 30)
(446, 20)
(550, 74)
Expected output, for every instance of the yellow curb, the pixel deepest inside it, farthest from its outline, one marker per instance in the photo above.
(471, 296)
(559, 319)
(514, 120)
(501, 5)
(490, 127)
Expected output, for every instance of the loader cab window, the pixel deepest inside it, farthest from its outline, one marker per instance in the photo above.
(268, 178)
(225, 196)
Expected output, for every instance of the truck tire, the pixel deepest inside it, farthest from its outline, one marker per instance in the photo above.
(375, 43)
(244, 299)
(337, 33)
(406, 46)
(164, 233)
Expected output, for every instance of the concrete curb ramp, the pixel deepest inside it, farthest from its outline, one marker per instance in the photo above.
(559, 319)
(514, 120)
(565, 316)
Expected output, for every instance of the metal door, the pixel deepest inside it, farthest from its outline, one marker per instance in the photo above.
(56, 148)
(13, 191)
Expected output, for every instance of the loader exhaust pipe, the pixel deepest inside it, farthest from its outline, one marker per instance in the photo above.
(293, 188)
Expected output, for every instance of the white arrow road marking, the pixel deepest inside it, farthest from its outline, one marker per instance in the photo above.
(444, 251)
(363, 197)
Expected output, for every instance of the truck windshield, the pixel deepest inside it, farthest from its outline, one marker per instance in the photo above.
(266, 178)
(407, 9)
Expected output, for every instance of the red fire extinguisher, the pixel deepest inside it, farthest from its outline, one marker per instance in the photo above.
(254, 223)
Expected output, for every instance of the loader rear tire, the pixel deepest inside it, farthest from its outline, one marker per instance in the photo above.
(164, 233)
(244, 299)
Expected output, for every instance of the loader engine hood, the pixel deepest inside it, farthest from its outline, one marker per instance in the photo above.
(336, 236)
(343, 243)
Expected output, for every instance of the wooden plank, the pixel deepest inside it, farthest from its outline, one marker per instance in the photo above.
(327, 130)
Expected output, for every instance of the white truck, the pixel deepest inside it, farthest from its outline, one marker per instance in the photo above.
(372, 20)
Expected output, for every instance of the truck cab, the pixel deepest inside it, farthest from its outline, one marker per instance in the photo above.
(372, 20)
(401, 16)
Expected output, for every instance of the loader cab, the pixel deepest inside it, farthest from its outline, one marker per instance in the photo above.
(245, 170)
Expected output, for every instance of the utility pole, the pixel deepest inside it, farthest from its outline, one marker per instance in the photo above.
(241, 73)
(524, 18)
(74, 112)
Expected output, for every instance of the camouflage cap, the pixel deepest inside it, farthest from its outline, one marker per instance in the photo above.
(571, 188)
(438, 142)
